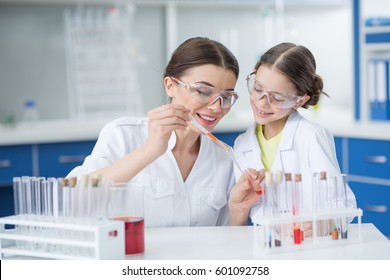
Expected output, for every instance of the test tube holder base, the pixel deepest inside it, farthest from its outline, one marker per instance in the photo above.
(266, 229)
(43, 237)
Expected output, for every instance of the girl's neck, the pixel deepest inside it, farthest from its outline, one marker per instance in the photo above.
(270, 130)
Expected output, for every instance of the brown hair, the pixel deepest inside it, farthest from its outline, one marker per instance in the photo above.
(199, 51)
(298, 64)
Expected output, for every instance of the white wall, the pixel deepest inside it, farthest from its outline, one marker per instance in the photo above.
(32, 55)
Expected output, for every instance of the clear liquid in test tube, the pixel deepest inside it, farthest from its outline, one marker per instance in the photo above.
(17, 183)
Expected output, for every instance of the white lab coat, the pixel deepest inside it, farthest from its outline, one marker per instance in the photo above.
(168, 201)
(305, 148)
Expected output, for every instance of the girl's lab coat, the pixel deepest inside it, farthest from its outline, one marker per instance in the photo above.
(305, 148)
(169, 201)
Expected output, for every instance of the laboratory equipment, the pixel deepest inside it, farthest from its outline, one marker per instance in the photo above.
(126, 203)
(234, 156)
(101, 60)
(68, 238)
(292, 226)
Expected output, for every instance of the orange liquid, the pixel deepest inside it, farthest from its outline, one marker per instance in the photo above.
(134, 234)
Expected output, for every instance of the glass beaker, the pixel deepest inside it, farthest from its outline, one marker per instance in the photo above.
(126, 203)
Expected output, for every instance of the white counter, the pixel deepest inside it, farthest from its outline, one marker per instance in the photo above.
(237, 243)
(338, 121)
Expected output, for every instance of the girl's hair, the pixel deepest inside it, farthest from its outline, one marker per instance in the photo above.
(298, 64)
(200, 51)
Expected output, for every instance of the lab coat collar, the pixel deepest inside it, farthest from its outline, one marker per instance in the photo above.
(249, 140)
(250, 143)
(286, 142)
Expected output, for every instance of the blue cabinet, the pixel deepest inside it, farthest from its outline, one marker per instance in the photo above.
(369, 158)
(15, 161)
(58, 159)
(374, 200)
(369, 179)
(48, 160)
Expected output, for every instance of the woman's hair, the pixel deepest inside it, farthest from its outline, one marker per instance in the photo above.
(200, 51)
(298, 64)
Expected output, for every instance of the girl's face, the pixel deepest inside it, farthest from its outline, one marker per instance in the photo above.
(271, 80)
(216, 79)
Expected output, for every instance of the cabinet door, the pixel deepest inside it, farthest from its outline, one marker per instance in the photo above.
(58, 159)
(15, 161)
(370, 158)
(374, 200)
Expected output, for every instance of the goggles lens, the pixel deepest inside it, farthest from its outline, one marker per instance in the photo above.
(209, 95)
(275, 99)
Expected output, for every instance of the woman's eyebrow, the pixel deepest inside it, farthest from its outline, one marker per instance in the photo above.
(210, 85)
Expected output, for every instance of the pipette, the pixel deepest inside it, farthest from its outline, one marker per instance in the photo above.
(231, 152)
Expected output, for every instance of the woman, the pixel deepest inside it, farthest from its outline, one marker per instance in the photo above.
(187, 177)
(284, 80)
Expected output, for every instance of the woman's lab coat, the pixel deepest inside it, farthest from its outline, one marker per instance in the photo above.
(169, 201)
(305, 148)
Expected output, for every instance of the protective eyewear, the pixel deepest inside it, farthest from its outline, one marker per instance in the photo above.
(209, 95)
(275, 99)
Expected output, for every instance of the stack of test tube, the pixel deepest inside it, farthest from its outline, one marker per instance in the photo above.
(65, 211)
(60, 197)
(287, 217)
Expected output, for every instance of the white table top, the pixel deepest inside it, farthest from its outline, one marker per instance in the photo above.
(235, 243)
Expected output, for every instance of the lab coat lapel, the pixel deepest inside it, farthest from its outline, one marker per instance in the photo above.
(250, 150)
(287, 155)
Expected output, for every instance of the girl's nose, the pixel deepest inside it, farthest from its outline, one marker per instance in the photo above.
(264, 99)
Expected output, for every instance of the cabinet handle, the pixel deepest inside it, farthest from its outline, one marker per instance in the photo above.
(375, 208)
(71, 159)
(5, 163)
(376, 159)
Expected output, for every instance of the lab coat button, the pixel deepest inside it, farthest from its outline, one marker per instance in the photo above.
(183, 195)
(154, 190)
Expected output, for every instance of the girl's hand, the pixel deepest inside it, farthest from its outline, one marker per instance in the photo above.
(162, 122)
(244, 195)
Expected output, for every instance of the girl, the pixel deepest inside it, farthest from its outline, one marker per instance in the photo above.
(284, 80)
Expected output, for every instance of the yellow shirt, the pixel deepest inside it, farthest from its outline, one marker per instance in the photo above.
(268, 148)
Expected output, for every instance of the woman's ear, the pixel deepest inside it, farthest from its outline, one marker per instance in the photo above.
(169, 87)
(301, 101)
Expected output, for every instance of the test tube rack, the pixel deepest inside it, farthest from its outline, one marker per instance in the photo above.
(65, 238)
(266, 226)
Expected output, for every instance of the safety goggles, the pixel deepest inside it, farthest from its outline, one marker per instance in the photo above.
(209, 95)
(275, 99)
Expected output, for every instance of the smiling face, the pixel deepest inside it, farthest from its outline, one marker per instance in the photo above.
(214, 76)
(265, 114)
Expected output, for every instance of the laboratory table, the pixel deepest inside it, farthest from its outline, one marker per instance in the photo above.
(235, 243)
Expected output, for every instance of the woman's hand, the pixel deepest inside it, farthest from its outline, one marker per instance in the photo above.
(245, 194)
(162, 122)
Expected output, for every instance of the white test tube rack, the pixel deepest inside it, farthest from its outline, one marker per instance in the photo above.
(43, 237)
(264, 225)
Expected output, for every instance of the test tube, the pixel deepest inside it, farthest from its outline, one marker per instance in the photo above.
(83, 196)
(74, 197)
(94, 192)
(276, 206)
(343, 203)
(65, 198)
(296, 204)
(324, 202)
(16, 184)
(288, 193)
